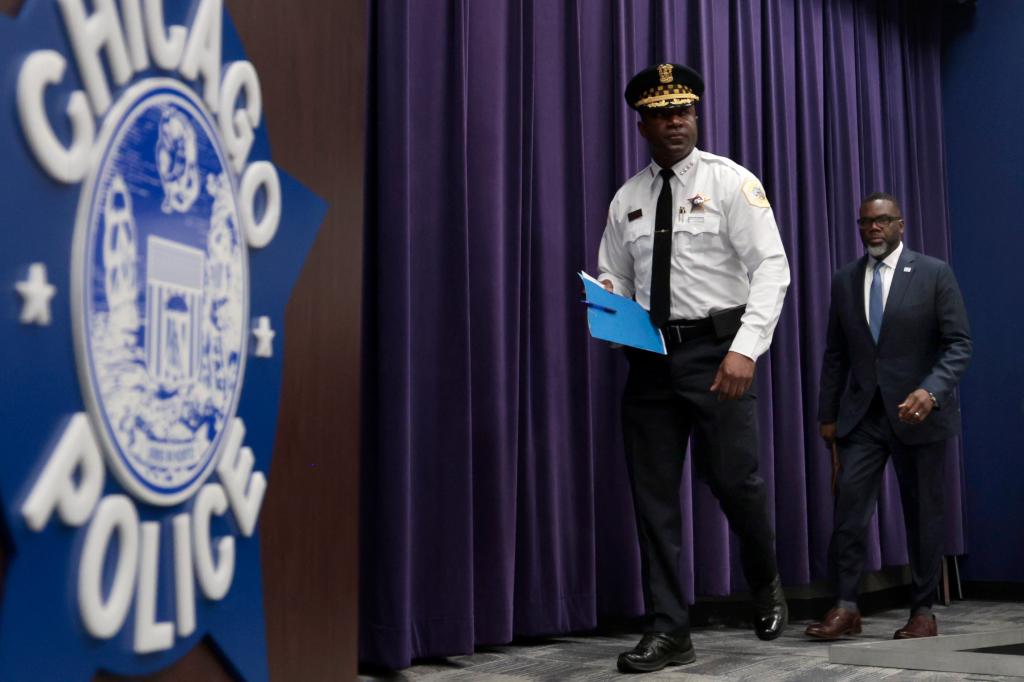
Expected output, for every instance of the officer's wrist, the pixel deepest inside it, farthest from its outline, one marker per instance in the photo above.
(935, 401)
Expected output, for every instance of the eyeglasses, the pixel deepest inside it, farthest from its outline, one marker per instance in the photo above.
(882, 221)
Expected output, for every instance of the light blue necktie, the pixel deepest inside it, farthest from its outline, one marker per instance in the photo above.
(875, 301)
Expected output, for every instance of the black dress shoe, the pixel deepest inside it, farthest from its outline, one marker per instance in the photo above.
(657, 650)
(770, 611)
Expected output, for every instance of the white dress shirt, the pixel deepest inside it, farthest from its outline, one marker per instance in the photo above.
(886, 273)
(726, 249)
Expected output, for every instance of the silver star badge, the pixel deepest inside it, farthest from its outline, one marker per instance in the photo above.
(36, 293)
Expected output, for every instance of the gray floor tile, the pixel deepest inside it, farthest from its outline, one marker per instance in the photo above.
(723, 653)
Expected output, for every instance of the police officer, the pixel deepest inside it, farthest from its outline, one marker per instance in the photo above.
(693, 239)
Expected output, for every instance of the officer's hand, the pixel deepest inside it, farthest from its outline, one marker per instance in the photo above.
(733, 377)
(916, 408)
(828, 433)
(608, 286)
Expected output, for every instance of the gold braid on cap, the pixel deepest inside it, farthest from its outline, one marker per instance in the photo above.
(672, 95)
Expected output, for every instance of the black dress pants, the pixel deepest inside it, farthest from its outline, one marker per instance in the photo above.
(666, 399)
(920, 470)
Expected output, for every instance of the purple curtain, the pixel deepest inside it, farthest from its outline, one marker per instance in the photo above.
(495, 500)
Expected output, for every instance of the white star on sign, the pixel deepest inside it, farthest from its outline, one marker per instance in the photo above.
(36, 292)
(264, 337)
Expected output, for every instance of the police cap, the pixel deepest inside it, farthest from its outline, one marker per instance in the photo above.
(664, 85)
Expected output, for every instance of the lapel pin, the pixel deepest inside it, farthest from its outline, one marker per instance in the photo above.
(907, 268)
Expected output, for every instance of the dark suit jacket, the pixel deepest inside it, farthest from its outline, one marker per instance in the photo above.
(925, 342)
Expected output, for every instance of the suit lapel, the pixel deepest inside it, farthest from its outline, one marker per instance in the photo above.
(858, 297)
(898, 287)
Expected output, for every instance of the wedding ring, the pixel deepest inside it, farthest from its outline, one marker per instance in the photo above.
(917, 414)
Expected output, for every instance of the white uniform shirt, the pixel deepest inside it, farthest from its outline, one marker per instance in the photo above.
(726, 249)
(886, 273)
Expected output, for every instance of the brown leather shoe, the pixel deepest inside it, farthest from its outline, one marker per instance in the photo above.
(836, 623)
(918, 626)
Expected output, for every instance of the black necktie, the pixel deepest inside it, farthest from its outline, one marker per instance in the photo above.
(661, 291)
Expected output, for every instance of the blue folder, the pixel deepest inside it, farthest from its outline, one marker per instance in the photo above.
(618, 319)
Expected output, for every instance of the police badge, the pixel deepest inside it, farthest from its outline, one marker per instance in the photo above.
(151, 251)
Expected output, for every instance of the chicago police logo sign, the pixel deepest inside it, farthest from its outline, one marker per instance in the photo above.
(149, 245)
(160, 268)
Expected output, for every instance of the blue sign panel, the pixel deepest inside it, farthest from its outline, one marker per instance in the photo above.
(150, 246)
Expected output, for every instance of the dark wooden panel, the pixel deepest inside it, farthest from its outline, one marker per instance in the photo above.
(311, 58)
(10, 6)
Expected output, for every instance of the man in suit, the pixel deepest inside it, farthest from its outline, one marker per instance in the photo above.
(898, 342)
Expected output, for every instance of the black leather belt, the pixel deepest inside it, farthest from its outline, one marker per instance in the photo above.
(681, 331)
(723, 324)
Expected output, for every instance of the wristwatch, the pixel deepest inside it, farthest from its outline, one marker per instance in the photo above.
(935, 401)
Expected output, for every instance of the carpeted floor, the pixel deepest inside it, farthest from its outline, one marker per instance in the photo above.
(723, 653)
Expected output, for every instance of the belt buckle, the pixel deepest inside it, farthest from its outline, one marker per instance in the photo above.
(682, 330)
(677, 333)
